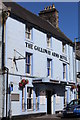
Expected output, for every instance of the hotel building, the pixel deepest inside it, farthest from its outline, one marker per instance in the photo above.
(37, 62)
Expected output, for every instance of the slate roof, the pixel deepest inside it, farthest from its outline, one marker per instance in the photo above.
(25, 16)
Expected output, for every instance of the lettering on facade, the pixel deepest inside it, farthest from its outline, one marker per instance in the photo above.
(63, 57)
(29, 45)
(55, 54)
(42, 50)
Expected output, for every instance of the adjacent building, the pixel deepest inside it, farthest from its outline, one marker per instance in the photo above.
(38, 60)
(78, 67)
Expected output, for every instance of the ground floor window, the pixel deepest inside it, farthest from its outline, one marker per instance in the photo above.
(65, 98)
(37, 102)
(29, 98)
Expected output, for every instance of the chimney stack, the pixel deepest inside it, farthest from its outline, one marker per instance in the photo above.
(50, 14)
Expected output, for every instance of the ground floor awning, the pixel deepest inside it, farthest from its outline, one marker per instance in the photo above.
(51, 81)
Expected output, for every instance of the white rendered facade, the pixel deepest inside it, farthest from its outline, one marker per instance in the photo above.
(39, 81)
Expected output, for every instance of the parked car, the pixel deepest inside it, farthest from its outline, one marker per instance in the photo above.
(77, 110)
(73, 108)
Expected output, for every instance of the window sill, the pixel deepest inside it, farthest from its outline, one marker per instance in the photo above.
(29, 110)
(28, 74)
(49, 48)
(64, 79)
(63, 53)
(49, 77)
(29, 40)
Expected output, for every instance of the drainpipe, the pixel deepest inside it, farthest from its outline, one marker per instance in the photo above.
(4, 17)
(7, 70)
(3, 62)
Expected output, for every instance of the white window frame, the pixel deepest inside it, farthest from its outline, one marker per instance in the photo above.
(28, 32)
(48, 41)
(65, 98)
(36, 98)
(63, 47)
(49, 67)
(28, 64)
(64, 71)
(30, 97)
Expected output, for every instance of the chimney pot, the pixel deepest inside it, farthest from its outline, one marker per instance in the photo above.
(45, 8)
(53, 6)
(50, 14)
(50, 7)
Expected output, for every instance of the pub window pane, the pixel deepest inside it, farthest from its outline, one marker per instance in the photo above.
(28, 58)
(28, 63)
(28, 32)
(49, 67)
(28, 103)
(29, 98)
(28, 69)
(48, 41)
(64, 71)
(63, 47)
(48, 63)
(48, 72)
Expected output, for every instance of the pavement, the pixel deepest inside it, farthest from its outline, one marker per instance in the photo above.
(49, 117)
(53, 117)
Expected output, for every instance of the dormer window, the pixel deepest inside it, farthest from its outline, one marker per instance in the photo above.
(48, 41)
(28, 32)
(63, 47)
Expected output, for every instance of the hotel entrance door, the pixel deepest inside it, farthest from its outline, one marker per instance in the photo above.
(48, 102)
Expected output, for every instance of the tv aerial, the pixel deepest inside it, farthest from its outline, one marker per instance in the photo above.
(14, 59)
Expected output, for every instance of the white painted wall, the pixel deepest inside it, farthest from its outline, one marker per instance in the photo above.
(15, 39)
(14, 29)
